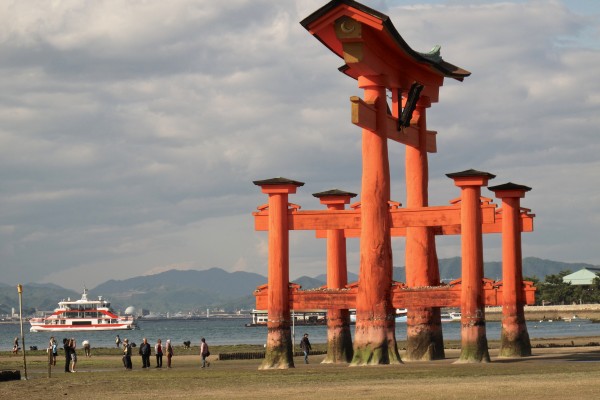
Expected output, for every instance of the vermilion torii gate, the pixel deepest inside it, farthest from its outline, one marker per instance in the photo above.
(469, 216)
(376, 55)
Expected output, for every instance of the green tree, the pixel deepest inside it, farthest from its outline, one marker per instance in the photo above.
(554, 291)
(590, 294)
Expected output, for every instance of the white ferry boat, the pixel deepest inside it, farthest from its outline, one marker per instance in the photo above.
(82, 315)
(306, 317)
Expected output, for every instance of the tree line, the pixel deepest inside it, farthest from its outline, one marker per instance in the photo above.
(554, 291)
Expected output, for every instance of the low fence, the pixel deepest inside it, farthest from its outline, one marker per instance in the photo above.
(254, 355)
(534, 313)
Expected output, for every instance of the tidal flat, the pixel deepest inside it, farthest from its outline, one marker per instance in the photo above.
(559, 369)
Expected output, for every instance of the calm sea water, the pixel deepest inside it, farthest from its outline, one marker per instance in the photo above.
(232, 331)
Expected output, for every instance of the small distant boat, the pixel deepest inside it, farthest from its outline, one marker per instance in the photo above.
(451, 317)
(401, 315)
(82, 315)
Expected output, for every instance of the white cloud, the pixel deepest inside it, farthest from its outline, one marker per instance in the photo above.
(131, 132)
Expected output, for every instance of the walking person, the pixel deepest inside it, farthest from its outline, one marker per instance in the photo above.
(158, 351)
(145, 351)
(169, 351)
(15, 349)
(73, 345)
(127, 354)
(118, 341)
(87, 348)
(306, 347)
(67, 349)
(204, 353)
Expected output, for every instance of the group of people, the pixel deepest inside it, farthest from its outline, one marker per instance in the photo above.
(70, 348)
(145, 352)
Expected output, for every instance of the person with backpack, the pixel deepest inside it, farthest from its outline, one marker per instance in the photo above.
(127, 354)
(159, 353)
(204, 353)
(169, 352)
(53, 350)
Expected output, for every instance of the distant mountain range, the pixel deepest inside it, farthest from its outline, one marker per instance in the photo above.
(216, 289)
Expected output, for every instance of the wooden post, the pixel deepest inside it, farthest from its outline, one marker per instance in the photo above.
(339, 337)
(473, 335)
(374, 339)
(514, 340)
(49, 362)
(424, 339)
(20, 291)
(279, 354)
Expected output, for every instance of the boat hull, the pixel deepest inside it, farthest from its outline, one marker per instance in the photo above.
(74, 328)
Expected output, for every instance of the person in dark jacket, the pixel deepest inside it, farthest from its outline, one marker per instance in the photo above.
(67, 348)
(305, 346)
(145, 351)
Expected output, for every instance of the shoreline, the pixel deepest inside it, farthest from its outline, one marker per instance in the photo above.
(452, 344)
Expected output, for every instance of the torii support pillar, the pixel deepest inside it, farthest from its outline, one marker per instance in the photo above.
(474, 346)
(424, 339)
(339, 337)
(279, 353)
(514, 340)
(374, 339)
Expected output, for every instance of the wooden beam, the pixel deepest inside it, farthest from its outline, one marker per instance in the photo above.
(350, 219)
(493, 227)
(402, 297)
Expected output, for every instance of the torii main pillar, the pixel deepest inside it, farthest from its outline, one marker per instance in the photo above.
(374, 338)
(424, 338)
(279, 353)
(377, 56)
(474, 347)
(339, 337)
(514, 339)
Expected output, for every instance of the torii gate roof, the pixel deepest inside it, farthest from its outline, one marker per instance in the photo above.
(391, 49)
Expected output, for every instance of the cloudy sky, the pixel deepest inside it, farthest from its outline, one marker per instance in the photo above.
(131, 131)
